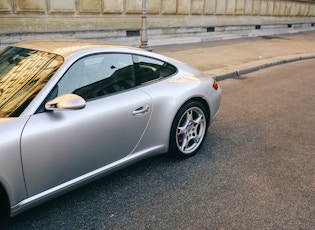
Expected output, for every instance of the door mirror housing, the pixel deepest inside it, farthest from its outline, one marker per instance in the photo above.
(65, 102)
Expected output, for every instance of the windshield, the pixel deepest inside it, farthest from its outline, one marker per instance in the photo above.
(23, 73)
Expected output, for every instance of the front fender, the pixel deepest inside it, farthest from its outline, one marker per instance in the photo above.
(11, 170)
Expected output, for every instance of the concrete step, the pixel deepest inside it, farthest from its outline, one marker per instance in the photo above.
(160, 36)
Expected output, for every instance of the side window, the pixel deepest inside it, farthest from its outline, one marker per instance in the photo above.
(98, 75)
(148, 69)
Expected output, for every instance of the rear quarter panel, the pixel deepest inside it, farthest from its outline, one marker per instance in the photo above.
(168, 96)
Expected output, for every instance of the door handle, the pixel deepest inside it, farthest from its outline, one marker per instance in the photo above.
(141, 110)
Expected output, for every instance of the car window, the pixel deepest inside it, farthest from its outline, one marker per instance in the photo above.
(23, 74)
(98, 75)
(148, 69)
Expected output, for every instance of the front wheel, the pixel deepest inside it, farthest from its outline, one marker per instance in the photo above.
(189, 129)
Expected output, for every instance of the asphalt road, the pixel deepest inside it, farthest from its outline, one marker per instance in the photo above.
(255, 171)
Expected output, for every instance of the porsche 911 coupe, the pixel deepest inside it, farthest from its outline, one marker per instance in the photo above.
(72, 111)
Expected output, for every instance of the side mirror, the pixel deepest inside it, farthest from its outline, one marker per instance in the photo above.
(66, 102)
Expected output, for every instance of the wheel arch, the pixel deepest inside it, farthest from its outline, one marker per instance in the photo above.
(200, 100)
(4, 202)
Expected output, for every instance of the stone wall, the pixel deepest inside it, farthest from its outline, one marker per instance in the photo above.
(22, 19)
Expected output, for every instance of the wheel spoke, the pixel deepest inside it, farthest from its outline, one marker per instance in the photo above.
(184, 144)
(181, 130)
(198, 120)
(189, 115)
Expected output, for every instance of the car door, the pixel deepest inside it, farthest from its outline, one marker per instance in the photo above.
(60, 146)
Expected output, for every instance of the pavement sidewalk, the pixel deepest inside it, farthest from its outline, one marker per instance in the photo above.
(232, 58)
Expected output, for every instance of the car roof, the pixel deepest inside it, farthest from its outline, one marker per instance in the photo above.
(65, 47)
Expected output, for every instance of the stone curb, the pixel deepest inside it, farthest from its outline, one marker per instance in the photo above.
(239, 73)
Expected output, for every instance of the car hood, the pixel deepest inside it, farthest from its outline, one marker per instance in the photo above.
(3, 120)
(11, 127)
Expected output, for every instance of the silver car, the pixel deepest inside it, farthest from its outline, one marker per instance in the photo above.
(72, 111)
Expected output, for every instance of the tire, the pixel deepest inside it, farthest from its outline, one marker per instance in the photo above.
(189, 129)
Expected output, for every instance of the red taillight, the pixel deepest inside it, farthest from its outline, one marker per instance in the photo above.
(215, 85)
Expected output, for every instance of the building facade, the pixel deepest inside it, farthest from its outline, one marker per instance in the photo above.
(120, 20)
